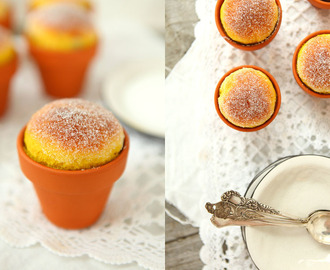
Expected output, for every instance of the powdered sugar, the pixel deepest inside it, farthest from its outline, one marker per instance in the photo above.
(314, 63)
(62, 16)
(249, 103)
(75, 125)
(251, 20)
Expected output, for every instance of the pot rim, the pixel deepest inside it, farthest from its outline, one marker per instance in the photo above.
(294, 65)
(277, 105)
(320, 4)
(241, 46)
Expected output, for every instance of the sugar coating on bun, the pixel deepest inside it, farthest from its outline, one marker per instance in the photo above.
(313, 63)
(73, 134)
(249, 21)
(39, 3)
(60, 26)
(247, 98)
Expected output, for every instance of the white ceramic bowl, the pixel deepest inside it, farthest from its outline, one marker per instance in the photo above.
(295, 185)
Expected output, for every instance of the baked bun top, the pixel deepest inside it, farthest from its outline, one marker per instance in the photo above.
(247, 98)
(313, 63)
(73, 134)
(39, 3)
(60, 26)
(249, 21)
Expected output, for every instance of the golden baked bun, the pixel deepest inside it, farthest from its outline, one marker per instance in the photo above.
(60, 27)
(73, 134)
(39, 3)
(247, 98)
(313, 64)
(249, 21)
(7, 51)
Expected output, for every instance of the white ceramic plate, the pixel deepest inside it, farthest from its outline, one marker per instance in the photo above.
(298, 185)
(135, 93)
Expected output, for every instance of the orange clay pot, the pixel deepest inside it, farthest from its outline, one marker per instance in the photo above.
(63, 73)
(6, 73)
(277, 105)
(7, 21)
(294, 66)
(320, 4)
(72, 199)
(241, 46)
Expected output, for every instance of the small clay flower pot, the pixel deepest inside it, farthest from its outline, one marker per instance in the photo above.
(63, 73)
(294, 65)
(277, 105)
(7, 20)
(241, 46)
(320, 4)
(6, 73)
(72, 199)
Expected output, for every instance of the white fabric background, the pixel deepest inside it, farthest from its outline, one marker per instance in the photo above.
(204, 157)
(135, 210)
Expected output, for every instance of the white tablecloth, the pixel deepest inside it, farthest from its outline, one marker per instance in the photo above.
(204, 157)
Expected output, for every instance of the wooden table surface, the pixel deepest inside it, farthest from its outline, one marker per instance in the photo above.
(182, 241)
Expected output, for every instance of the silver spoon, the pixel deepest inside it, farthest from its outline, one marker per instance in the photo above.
(235, 210)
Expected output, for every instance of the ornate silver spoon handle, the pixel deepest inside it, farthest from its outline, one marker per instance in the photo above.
(233, 209)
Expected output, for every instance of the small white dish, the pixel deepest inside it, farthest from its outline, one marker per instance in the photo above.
(298, 186)
(135, 92)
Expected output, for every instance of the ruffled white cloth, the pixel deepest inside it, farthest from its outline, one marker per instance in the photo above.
(204, 157)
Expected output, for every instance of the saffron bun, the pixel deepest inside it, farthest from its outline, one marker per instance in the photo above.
(249, 21)
(33, 4)
(247, 98)
(73, 134)
(313, 63)
(60, 27)
(7, 50)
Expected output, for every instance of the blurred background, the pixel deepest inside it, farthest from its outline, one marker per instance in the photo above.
(131, 33)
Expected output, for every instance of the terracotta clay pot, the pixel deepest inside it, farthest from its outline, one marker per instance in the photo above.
(63, 73)
(241, 46)
(72, 199)
(294, 65)
(277, 105)
(7, 21)
(320, 4)
(6, 73)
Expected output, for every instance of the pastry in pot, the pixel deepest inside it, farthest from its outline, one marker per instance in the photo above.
(73, 134)
(60, 27)
(247, 98)
(62, 41)
(8, 66)
(249, 21)
(313, 64)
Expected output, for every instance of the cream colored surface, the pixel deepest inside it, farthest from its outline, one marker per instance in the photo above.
(297, 186)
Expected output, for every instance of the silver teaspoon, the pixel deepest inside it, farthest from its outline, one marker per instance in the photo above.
(235, 210)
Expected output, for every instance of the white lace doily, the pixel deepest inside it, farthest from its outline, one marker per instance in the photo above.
(131, 228)
(204, 156)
